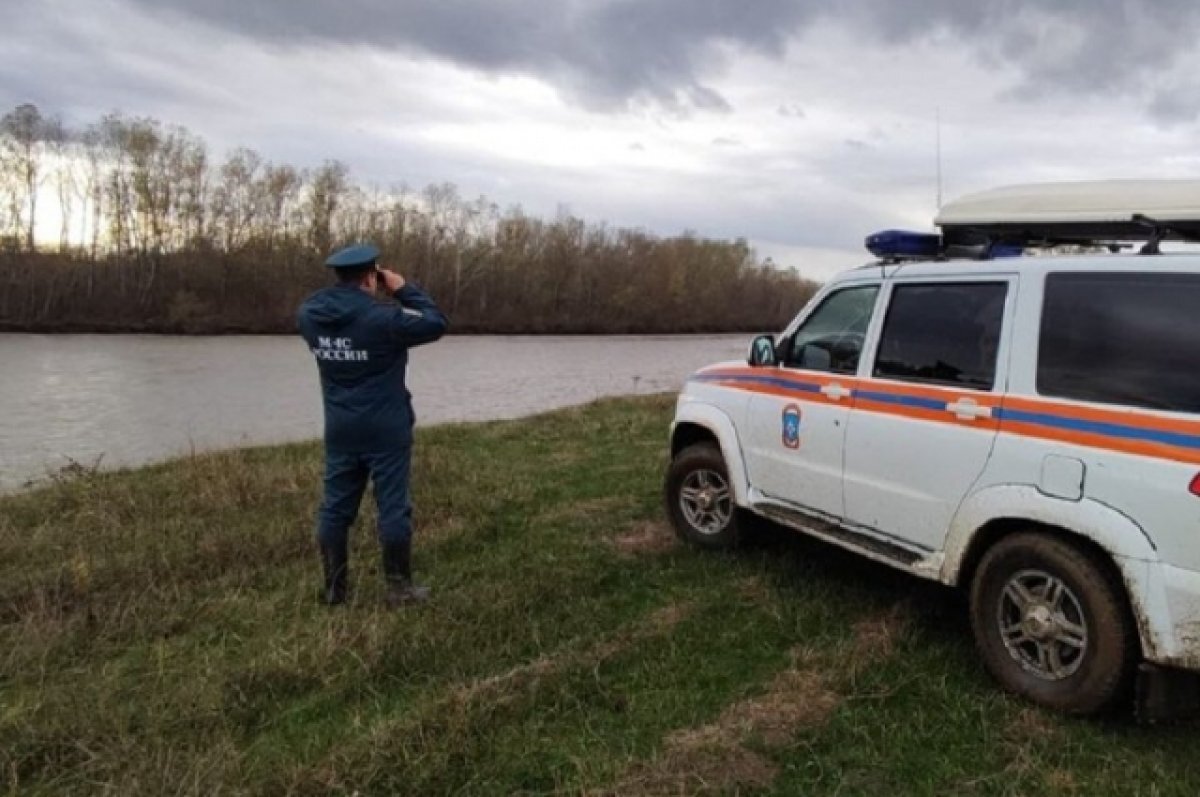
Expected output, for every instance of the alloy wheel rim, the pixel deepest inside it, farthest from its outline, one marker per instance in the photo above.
(706, 501)
(1042, 625)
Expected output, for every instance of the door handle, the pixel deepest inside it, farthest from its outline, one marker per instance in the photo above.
(835, 391)
(966, 409)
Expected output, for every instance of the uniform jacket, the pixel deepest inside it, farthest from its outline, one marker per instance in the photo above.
(361, 346)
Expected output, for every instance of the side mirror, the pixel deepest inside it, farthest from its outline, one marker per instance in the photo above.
(762, 352)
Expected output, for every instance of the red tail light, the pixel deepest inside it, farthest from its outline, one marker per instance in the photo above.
(1194, 487)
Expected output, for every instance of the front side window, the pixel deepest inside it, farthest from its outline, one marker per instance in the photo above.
(831, 339)
(1122, 338)
(943, 334)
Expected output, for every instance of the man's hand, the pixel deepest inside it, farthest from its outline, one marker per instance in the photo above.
(391, 280)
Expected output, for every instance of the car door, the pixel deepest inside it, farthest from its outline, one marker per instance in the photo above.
(796, 419)
(926, 412)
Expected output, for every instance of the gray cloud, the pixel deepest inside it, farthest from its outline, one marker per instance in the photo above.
(816, 167)
(607, 53)
(604, 53)
(1175, 102)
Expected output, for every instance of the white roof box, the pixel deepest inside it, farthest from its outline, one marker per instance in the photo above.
(1104, 210)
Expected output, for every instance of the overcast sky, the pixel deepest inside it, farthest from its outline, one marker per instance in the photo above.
(801, 125)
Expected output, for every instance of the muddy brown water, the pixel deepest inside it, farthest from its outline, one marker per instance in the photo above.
(129, 399)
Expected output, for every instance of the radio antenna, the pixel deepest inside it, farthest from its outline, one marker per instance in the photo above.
(937, 124)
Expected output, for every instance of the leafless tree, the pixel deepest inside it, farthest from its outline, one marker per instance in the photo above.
(170, 241)
(326, 190)
(23, 131)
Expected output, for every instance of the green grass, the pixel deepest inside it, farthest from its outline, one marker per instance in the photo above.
(159, 634)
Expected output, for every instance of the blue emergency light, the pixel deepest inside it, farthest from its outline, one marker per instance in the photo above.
(1006, 250)
(904, 245)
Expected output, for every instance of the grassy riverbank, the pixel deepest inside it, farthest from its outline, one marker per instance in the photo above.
(159, 634)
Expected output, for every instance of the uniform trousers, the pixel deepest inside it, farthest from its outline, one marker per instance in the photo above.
(346, 475)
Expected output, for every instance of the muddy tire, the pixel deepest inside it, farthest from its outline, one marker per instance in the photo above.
(1051, 623)
(699, 498)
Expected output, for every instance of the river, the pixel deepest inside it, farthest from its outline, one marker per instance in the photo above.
(122, 400)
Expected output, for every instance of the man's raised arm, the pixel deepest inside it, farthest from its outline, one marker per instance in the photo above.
(418, 320)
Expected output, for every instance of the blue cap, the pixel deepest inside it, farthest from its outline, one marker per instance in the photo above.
(355, 256)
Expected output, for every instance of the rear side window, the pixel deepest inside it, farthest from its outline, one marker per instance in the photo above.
(944, 333)
(1130, 339)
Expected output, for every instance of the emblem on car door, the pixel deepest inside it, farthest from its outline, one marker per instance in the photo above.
(791, 426)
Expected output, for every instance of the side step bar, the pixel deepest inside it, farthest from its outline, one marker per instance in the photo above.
(824, 528)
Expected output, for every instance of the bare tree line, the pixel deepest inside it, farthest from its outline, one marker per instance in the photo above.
(154, 235)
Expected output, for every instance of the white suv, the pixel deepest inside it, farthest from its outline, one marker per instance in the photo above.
(1025, 428)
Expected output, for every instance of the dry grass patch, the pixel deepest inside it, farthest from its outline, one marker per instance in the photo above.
(648, 538)
(1032, 723)
(699, 770)
(441, 529)
(657, 623)
(755, 590)
(714, 758)
(587, 509)
(1059, 781)
(875, 638)
(563, 458)
(796, 699)
(1025, 737)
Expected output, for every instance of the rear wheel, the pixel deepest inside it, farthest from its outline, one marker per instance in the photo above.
(699, 498)
(1051, 623)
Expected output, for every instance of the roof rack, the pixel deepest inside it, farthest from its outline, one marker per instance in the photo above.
(1004, 222)
(1096, 213)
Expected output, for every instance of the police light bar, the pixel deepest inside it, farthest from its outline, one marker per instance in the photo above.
(904, 245)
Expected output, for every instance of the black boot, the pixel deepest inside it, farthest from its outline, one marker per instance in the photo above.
(397, 571)
(336, 564)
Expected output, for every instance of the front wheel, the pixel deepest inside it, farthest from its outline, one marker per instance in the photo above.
(1051, 623)
(699, 498)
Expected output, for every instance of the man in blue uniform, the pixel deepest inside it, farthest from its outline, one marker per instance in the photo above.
(361, 346)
